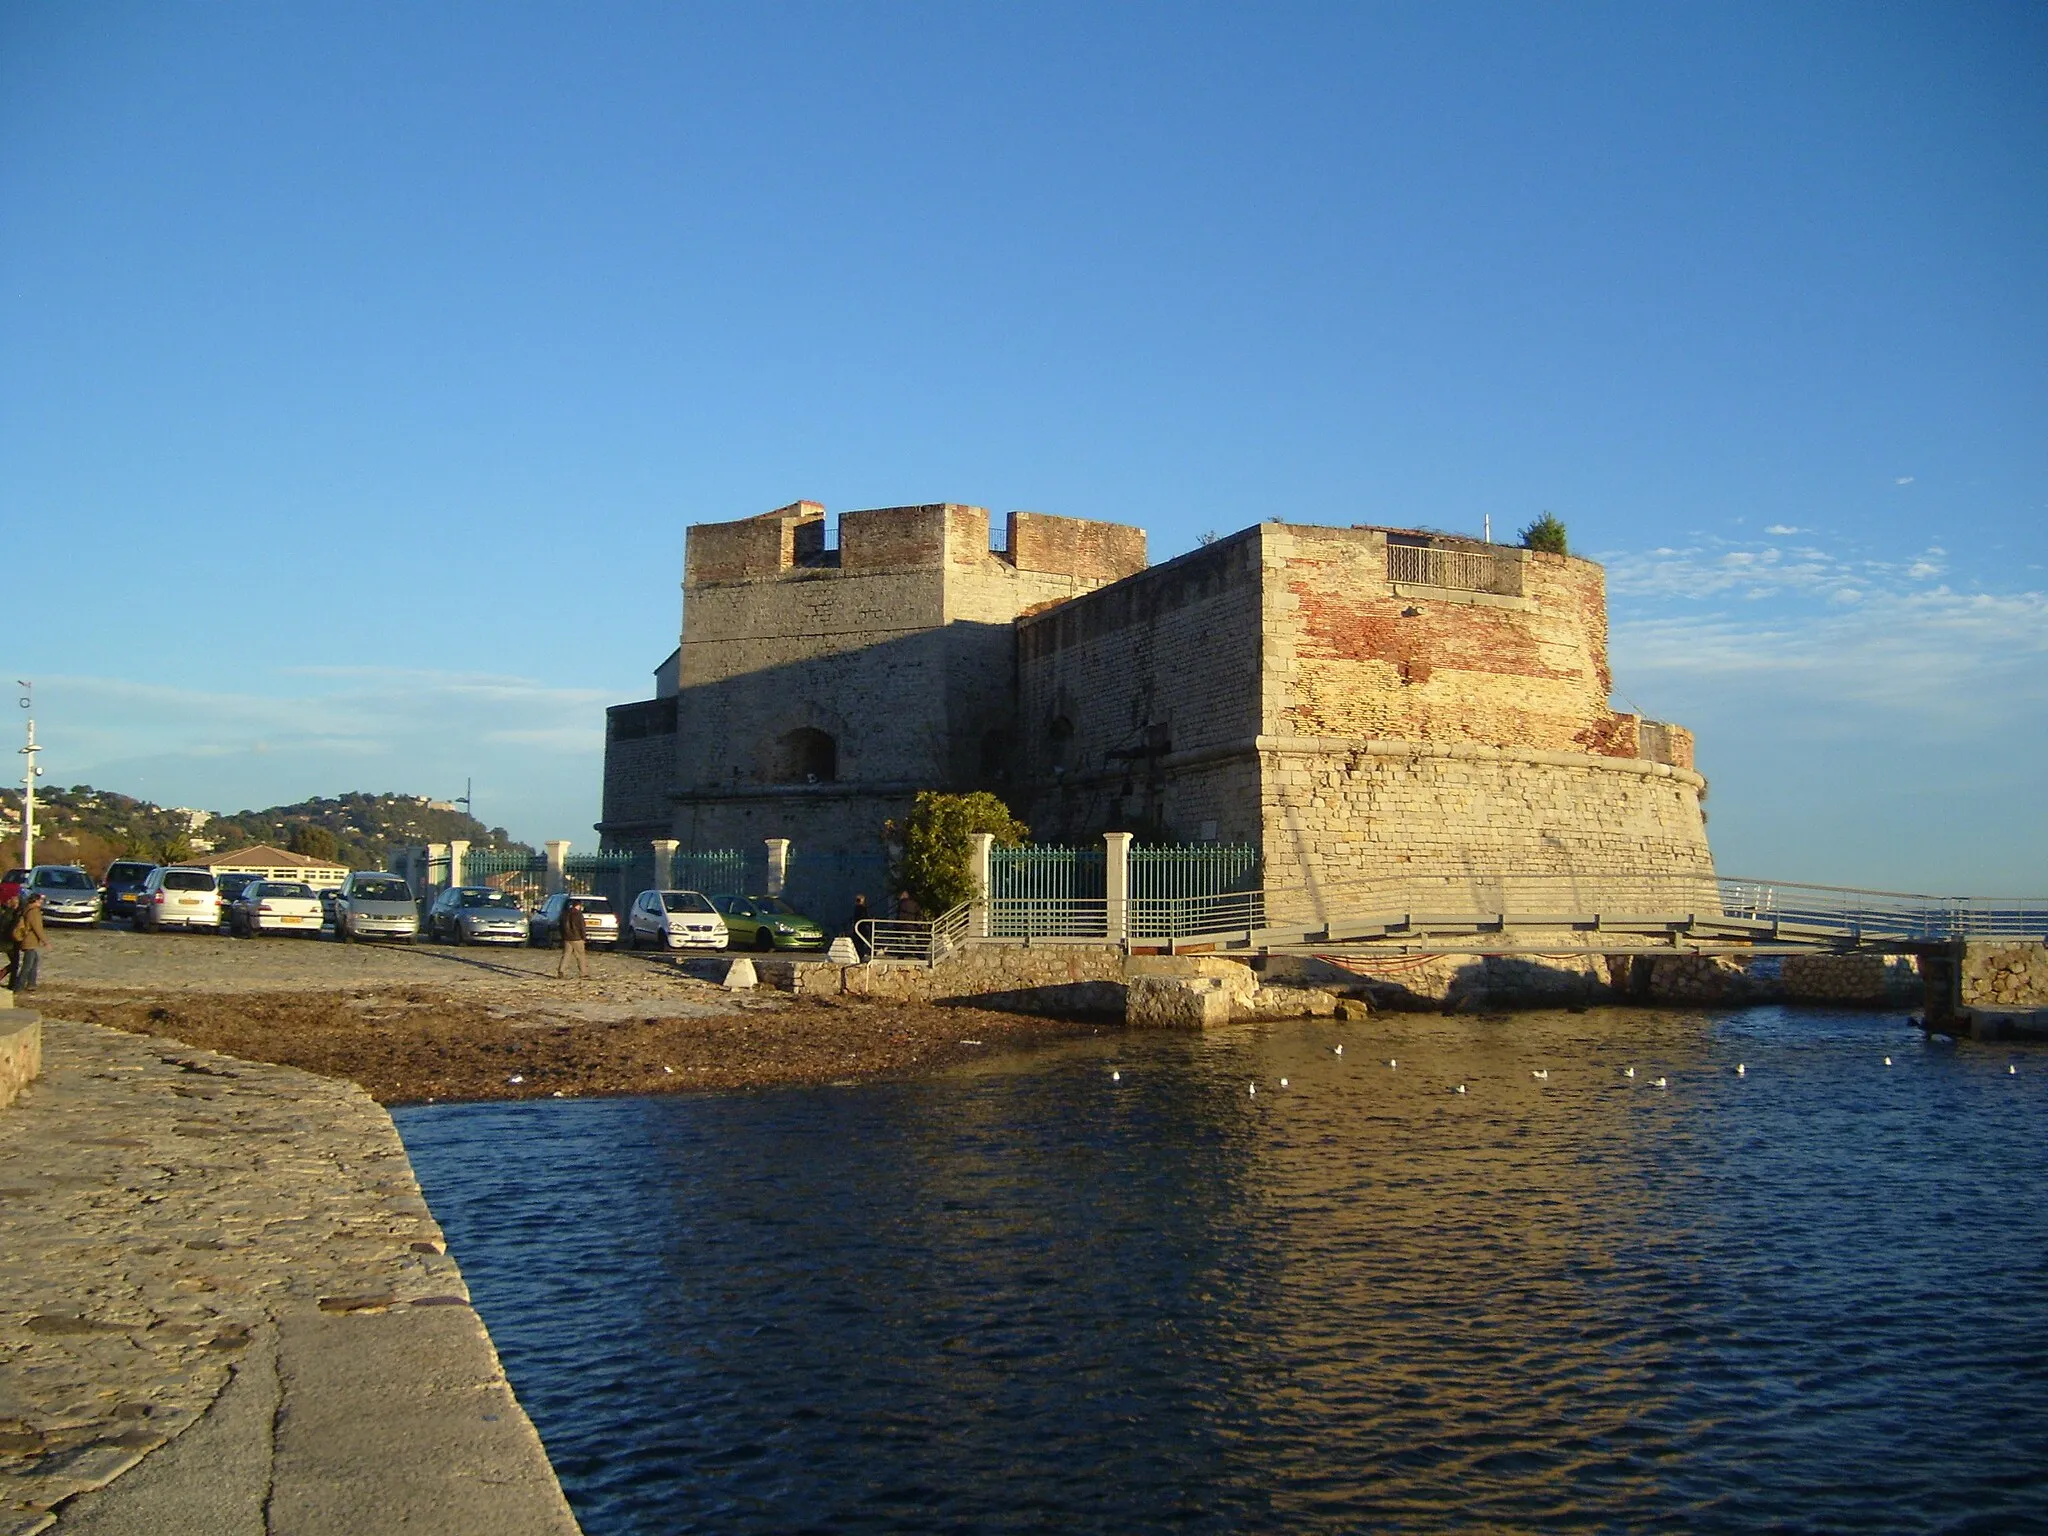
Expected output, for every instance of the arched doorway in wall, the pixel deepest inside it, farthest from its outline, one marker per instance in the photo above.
(806, 755)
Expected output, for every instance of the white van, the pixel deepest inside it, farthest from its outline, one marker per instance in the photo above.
(178, 896)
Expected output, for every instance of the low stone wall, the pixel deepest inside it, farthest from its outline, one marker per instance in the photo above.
(21, 1052)
(1868, 980)
(1058, 979)
(2005, 978)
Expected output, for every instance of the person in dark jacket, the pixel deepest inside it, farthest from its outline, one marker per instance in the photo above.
(574, 932)
(907, 909)
(26, 942)
(860, 915)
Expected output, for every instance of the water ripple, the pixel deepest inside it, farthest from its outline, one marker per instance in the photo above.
(1026, 1298)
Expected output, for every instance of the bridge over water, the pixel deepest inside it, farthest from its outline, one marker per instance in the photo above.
(1492, 913)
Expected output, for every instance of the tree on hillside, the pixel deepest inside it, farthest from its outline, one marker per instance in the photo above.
(315, 843)
(936, 849)
(1546, 534)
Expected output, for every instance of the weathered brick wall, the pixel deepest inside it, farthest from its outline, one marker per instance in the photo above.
(1140, 701)
(1351, 654)
(1074, 547)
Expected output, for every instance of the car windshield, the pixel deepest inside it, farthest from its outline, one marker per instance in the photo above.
(380, 890)
(121, 874)
(285, 890)
(187, 880)
(490, 899)
(775, 906)
(686, 901)
(65, 880)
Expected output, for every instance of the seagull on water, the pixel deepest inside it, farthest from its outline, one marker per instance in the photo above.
(1283, 1082)
(1251, 1090)
(1393, 1064)
(1887, 1061)
(1742, 1069)
(1660, 1083)
(1459, 1089)
(1116, 1077)
(1340, 1050)
(2011, 1070)
(1628, 1071)
(1542, 1074)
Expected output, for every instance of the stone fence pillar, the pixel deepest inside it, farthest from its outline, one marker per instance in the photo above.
(458, 855)
(980, 864)
(558, 865)
(664, 862)
(778, 864)
(1116, 883)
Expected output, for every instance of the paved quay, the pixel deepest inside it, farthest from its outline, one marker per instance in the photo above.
(225, 1310)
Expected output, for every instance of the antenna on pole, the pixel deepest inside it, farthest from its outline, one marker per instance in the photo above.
(28, 779)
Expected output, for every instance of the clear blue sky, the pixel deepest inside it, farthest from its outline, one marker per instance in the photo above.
(395, 345)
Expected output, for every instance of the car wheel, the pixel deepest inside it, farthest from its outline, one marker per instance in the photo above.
(629, 937)
(763, 940)
(341, 933)
(457, 937)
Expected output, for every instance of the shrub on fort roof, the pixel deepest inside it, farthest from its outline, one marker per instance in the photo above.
(1545, 534)
(936, 849)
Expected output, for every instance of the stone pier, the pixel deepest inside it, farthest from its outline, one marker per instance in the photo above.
(228, 1312)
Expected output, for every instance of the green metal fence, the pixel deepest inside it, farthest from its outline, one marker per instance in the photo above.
(1046, 892)
(717, 872)
(1193, 870)
(525, 875)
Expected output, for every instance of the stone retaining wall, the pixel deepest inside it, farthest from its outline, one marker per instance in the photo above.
(21, 1052)
(2011, 978)
(1872, 980)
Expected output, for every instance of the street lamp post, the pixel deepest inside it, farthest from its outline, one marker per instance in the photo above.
(28, 781)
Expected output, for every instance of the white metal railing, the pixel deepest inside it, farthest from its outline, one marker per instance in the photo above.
(1458, 569)
(1420, 899)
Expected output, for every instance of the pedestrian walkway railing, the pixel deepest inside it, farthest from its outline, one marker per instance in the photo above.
(1415, 903)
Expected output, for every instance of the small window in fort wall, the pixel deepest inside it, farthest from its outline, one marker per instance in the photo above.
(806, 756)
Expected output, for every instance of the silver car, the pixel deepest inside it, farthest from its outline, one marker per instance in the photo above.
(375, 906)
(69, 894)
(476, 914)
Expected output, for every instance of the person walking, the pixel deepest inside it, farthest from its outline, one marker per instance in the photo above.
(575, 931)
(27, 941)
(860, 915)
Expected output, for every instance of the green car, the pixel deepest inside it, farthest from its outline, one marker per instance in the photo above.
(767, 922)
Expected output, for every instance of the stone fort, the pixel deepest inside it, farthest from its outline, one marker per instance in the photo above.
(1356, 702)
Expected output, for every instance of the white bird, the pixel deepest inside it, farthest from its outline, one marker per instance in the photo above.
(1116, 1077)
(1251, 1090)
(1459, 1089)
(1393, 1063)
(1283, 1082)
(1661, 1083)
(515, 1078)
(2012, 1071)
(671, 1071)
(1542, 1073)
(1628, 1071)
(1742, 1069)
(1887, 1061)
(1340, 1050)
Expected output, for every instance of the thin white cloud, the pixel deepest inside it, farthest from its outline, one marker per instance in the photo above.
(1783, 530)
(1903, 480)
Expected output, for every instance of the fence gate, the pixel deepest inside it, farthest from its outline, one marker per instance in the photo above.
(618, 874)
(1194, 889)
(1053, 892)
(525, 875)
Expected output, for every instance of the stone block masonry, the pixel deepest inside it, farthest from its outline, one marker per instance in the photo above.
(229, 1313)
(21, 1050)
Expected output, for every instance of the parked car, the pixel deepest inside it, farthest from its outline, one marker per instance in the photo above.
(178, 896)
(675, 920)
(275, 906)
(600, 922)
(231, 888)
(476, 914)
(375, 906)
(69, 894)
(767, 922)
(124, 882)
